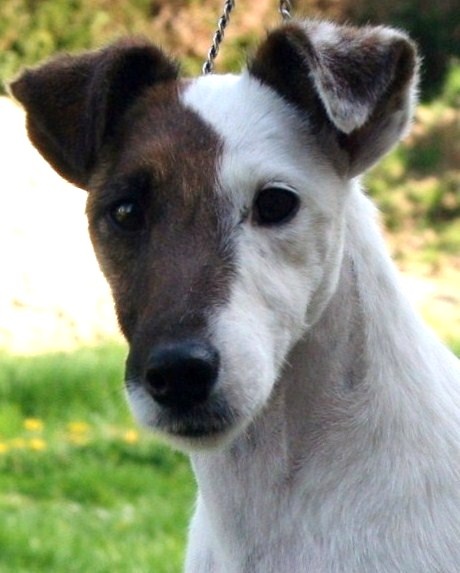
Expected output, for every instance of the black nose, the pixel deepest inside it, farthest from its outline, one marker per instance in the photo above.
(182, 374)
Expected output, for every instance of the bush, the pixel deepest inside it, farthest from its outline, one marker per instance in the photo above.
(31, 30)
(418, 185)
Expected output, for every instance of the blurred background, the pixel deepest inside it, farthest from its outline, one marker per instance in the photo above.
(81, 488)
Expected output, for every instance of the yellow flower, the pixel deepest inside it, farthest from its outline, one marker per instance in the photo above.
(3, 448)
(78, 427)
(33, 424)
(37, 444)
(131, 436)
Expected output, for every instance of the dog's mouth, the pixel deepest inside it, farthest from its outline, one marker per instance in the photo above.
(209, 421)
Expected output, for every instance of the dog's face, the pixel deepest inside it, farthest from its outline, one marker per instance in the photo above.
(216, 205)
(215, 230)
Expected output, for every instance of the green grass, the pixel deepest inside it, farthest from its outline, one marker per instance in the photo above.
(80, 489)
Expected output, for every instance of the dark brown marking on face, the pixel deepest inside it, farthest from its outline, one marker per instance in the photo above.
(167, 277)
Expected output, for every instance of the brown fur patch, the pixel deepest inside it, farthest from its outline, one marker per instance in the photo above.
(165, 279)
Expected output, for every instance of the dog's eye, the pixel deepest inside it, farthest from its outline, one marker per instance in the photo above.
(275, 205)
(127, 216)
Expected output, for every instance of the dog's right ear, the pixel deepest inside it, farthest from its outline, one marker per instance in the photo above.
(73, 103)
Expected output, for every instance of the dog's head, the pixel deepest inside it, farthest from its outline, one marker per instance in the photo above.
(216, 204)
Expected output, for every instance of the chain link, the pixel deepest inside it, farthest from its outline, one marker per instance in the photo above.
(208, 66)
(285, 9)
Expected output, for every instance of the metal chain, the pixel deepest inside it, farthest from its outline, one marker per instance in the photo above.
(285, 9)
(208, 66)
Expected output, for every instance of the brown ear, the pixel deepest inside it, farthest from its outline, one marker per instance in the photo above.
(73, 103)
(358, 82)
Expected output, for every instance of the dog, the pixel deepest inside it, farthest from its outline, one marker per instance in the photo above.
(268, 334)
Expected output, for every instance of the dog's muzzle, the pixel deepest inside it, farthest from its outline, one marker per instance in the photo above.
(174, 389)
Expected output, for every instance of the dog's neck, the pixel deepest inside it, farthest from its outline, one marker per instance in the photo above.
(333, 410)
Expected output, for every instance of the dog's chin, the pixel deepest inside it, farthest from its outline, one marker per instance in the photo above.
(205, 427)
(190, 444)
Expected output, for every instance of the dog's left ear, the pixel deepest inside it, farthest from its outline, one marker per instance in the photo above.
(74, 103)
(357, 86)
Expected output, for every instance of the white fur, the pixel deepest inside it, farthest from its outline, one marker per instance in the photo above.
(348, 456)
